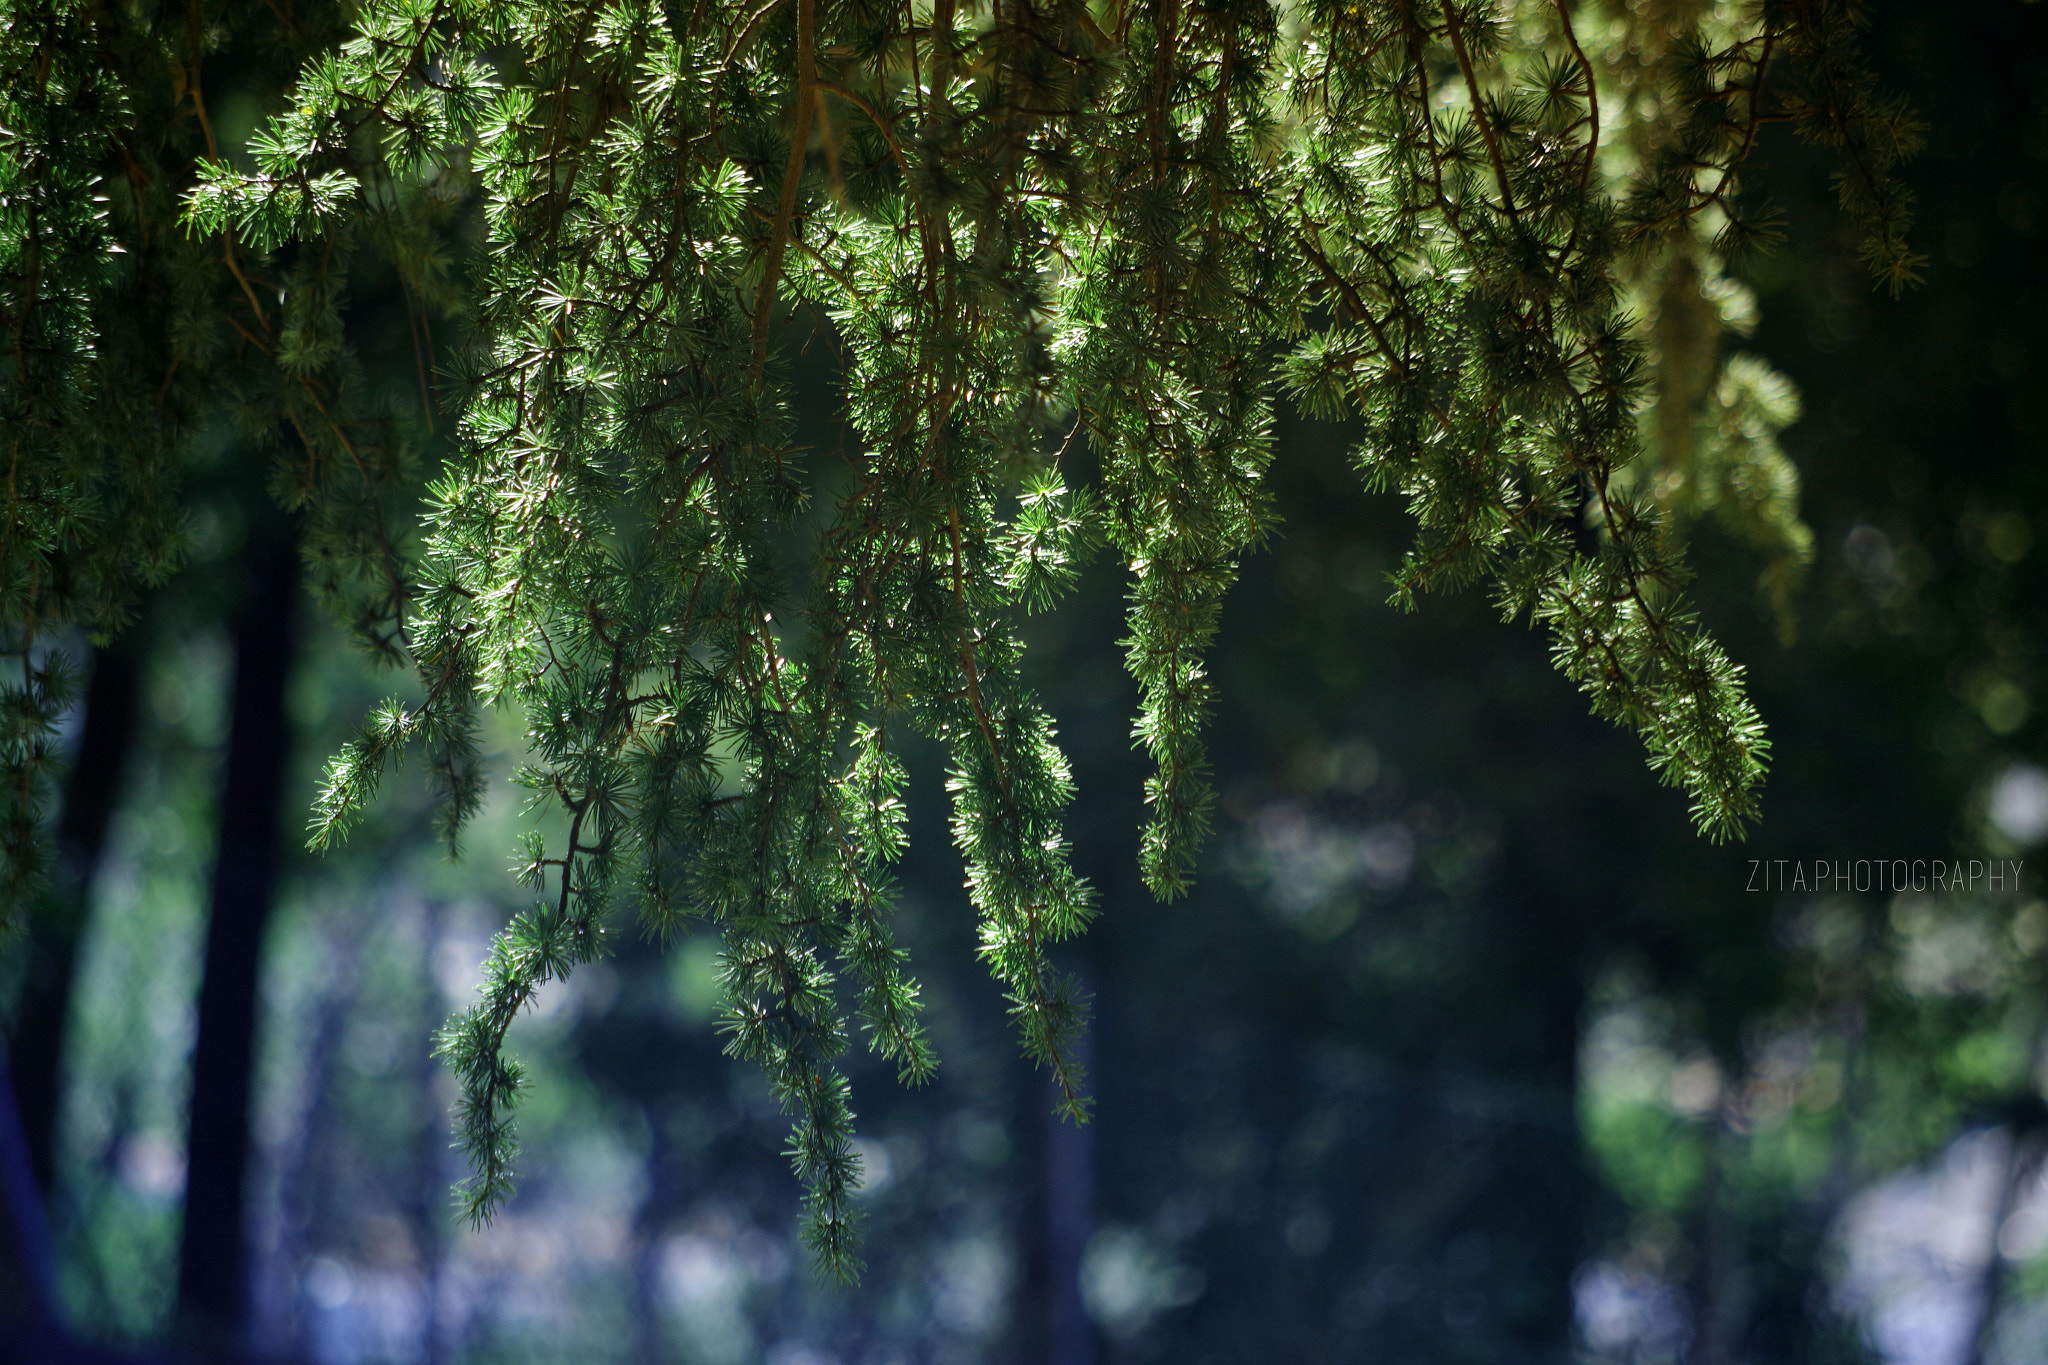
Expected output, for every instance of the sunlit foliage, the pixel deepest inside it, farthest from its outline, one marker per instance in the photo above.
(1027, 230)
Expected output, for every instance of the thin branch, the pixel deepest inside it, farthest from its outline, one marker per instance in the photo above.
(1500, 169)
(799, 140)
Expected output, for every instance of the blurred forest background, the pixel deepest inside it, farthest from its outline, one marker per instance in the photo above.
(1465, 1049)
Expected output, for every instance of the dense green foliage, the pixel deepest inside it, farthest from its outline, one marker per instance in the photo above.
(1022, 231)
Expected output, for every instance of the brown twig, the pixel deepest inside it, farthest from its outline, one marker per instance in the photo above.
(799, 139)
(1500, 169)
(1571, 37)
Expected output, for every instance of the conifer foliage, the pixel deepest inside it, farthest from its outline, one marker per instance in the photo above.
(1025, 227)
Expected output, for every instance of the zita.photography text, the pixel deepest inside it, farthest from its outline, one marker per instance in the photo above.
(1884, 874)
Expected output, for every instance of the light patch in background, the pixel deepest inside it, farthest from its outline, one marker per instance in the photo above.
(971, 1284)
(1944, 950)
(357, 1316)
(1915, 1250)
(1626, 1313)
(1128, 1279)
(697, 1270)
(714, 1264)
(327, 1283)
(459, 956)
(1308, 1232)
(1869, 555)
(705, 1274)
(2018, 807)
(1695, 1088)
(1306, 859)
(797, 1353)
(877, 1167)
(153, 1166)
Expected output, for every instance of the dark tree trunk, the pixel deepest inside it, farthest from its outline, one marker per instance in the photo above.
(1069, 1219)
(59, 919)
(28, 1295)
(1056, 1219)
(213, 1271)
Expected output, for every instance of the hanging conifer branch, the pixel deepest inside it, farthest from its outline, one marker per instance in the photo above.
(1138, 225)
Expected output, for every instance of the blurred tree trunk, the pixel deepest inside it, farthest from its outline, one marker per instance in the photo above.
(1069, 1219)
(305, 1165)
(213, 1272)
(1721, 1291)
(1057, 1220)
(427, 1203)
(27, 1281)
(58, 921)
